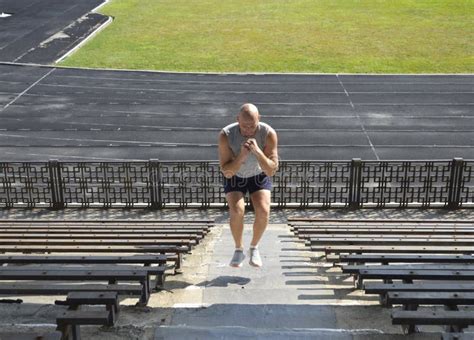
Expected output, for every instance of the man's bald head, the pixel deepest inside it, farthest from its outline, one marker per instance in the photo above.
(249, 111)
(248, 119)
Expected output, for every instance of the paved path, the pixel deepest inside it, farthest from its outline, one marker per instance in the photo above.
(290, 297)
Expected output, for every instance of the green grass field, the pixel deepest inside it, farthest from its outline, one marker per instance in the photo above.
(329, 36)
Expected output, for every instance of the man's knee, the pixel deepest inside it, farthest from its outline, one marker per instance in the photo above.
(237, 209)
(262, 210)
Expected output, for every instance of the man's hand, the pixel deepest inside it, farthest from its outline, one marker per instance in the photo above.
(244, 151)
(252, 146)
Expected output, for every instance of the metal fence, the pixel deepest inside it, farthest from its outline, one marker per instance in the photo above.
(299, 184)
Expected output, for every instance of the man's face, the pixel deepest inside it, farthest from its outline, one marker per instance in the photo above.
(248, 126)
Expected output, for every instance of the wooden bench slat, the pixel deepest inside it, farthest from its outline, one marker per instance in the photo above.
(91, 297)
(357, 268)
(158, 271)
(417, 274)
(375, 236)
(390, 241)
(78, 317)
(153, 270)
(438, 317)
(71, 259)
(146, 260)
(431, 298)
(390, 258)
(92, 236)
(145, 228)
(394, 249)
(96, 249)
(385, 231)
(111, 221)
(96, 242)
(382, 288)
(39, 288)
(78, 231)
(20, 274)
(372, 221)
(395, 226)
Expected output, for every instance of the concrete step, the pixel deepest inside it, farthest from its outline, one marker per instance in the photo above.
(178, 332)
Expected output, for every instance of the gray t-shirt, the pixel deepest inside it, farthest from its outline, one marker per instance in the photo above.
(250, 167)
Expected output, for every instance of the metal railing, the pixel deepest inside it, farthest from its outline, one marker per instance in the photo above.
(299, 184)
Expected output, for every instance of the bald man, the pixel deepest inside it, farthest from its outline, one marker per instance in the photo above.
(248, 157)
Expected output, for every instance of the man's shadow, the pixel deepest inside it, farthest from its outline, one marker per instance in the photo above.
(225, 281)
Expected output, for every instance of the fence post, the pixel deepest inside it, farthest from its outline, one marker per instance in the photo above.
(304, 184)
(455, 182)
(156, 201)
(355, 183)
(56, 186)
(205, 188)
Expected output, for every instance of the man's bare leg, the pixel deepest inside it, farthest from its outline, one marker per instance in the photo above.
(236, 202)
(261, 204)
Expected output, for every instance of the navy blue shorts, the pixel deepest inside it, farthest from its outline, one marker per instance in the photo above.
(248, 184)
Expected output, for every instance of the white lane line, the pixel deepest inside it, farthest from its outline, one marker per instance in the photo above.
(430, 146)
(112, 113)
(244, 92)
(193, 91)
(157, 127)
(99, 140)
(25, 91)
(177, 81)
(359, 119)
(145, 128)
(252, 82)
(128, 144)
(10, 82)
(414, 104)
(196, 102)
(76, 157)
(118, 127)
(207, 102)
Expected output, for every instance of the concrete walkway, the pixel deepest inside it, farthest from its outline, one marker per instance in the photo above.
(294, 295)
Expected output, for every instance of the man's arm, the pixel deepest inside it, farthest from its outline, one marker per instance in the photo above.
(268, 158)
(228, 162)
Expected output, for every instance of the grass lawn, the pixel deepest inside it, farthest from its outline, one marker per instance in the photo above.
(330, 36)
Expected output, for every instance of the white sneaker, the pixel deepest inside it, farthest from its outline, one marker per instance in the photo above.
(238, 258)
(255, 259)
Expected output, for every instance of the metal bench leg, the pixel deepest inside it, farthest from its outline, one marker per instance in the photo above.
(76, 332)
(70, 332)
(177, 268)
(358, 282)
(453, 328)
(383, 299)
(145, 293)
(112, 309)
(160, 281)
(410, 329)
